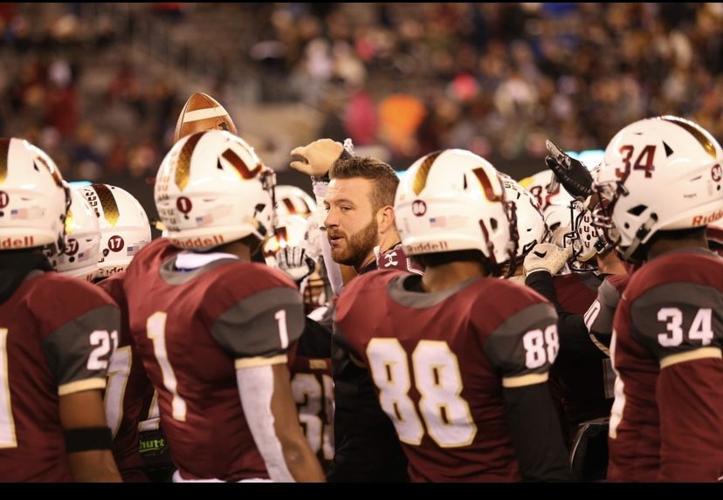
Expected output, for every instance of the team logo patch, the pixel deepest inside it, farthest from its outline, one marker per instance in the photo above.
(184, 205)
(4, 199)
(419, 208)
(116, 243)
(716, 173)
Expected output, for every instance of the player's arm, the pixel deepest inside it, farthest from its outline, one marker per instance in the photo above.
(681, 324)
(78, 354)
(599, 316)
(541, 264)
(257, 332)
(522, 349)
(272, 416)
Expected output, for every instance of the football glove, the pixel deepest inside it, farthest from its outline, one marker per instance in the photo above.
(295, 262)
(572, 174)
(546, 257)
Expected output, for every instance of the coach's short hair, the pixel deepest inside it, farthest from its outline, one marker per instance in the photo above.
(381, 174)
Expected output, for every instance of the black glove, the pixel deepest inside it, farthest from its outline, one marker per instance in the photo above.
(572, 174)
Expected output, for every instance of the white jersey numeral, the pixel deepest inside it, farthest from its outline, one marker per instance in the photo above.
(541, 348)
(105, 343)
(307, 391)
(700, 329)
(118, 373)
(8, 439)
(439, 382)
(156, 331)
(283, 333)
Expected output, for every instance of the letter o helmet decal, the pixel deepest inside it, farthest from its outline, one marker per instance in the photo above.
(419, 208)
(4, 199)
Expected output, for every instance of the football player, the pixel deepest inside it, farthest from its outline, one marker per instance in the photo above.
(660, 186)
(124, 230)
(310, 356)
(57, 334)
(459, 359)
(213, 328)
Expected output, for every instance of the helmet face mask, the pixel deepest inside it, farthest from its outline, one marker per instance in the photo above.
(586, 239)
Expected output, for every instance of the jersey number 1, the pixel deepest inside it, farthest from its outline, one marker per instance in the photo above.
(156, 331)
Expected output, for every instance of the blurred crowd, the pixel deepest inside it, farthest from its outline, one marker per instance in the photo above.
(497, 79)
(500, 78)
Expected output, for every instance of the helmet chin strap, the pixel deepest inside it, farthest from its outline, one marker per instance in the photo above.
(640, 235)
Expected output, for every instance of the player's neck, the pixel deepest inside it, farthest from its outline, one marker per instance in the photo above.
(610, 263)
(444, 276)
(388, 239)
(663, 245)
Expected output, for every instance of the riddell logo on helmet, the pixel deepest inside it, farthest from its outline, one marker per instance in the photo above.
(429, 247)
(25, 242)
(702, 220)
(198, 242)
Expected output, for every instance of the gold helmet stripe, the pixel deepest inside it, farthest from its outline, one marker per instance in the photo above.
(183, 164)
(108, 203)
(4, 151)
(420, 180)
(695, 132)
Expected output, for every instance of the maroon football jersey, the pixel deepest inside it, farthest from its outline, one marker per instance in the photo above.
(313, 390)
(439, 362)
(129, 393)
(578, 379)
(667, 419)
(193, 329)
(56, 337)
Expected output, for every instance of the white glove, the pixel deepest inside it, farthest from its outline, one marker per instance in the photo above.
(546, 257)
(294, 262)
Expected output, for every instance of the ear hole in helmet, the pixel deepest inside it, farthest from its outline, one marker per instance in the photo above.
(637, 210)
(493, 224)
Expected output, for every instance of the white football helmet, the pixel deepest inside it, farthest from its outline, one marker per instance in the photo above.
(34, 198)
(212, 189)
(454, 200)
(82, 240)
(539, 186)
(124, 226)
(291, 200)
(661, 173)
(531, 228)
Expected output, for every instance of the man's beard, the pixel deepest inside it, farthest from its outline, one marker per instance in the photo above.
(358, 247)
